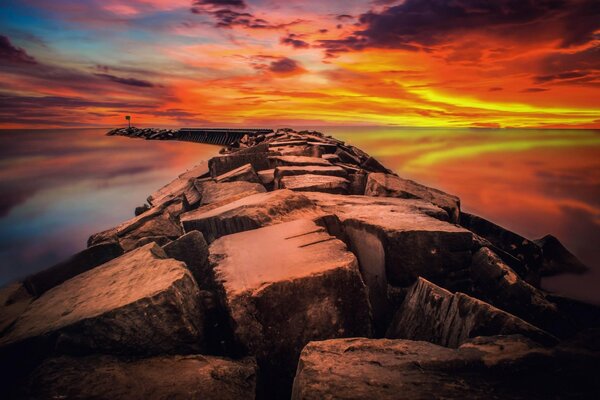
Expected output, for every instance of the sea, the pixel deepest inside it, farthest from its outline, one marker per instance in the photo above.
(59, 186)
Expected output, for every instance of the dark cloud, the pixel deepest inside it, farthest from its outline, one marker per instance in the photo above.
(581, 67)
(417, 24)
(534, 90)
(570, 75)
(225, 17)
(221, 3)
(13, 54)
(285, 66)
(294, 41)
(126, 81)
(344, 17)
(495, 89)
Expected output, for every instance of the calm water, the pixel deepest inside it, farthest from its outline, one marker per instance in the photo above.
(59, 186)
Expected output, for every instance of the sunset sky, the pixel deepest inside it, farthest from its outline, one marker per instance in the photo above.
(464, 63)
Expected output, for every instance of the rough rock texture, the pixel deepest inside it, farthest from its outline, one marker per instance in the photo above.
(223, 164)
(166, 377)
(314, 183)
(139, 303)
(83, 261)
(281, 161)
(249, 213)
(523, 249)
(192, 249)
(243, 173)
(388, 185)
(14, 300)
(160, 220)
(503, 367)
(178, 186)
(435, 315)
(496, 283)
(556, 259)
(285, 285)
(213, 192)
(280, 172)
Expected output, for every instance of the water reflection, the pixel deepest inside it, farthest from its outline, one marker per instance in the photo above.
(58, 187)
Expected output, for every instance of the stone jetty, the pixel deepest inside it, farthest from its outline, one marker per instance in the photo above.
(294, 265)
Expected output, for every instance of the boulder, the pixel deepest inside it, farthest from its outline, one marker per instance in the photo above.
(496, 283)
(396, 241)
(192, 249)
(529, 253)
(14, 300)
(388, 185)
(358, 183)
(504, 367)
(160, 220)
(372, 165)
(556, 259)
(139, 303)
(159, 240)
(281, 172)
(314, 183)
(178, 186)
(213, 192)
(332, 158)
(250, 212)
(285, 285)
(281, 161)
(85, 260)
(223, 164)
(244, 173)
(163, 377)
(141, 209)
(267, 177)
(436, 315)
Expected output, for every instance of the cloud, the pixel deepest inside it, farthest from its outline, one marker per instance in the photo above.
(221, 3)
(534, 90)
(13, 54)
(417, 24)
(126, 81)
(225, 17)
(285, 66)
(294, 41)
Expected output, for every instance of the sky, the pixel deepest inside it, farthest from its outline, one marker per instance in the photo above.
(441, 63)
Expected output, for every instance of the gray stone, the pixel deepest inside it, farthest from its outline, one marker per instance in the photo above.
(244, 173)
(285, 285)
(387, 185)
(435, 315)
(250, 212)
(314, 183)
(498, 368)
(164, 377)
(139, 303)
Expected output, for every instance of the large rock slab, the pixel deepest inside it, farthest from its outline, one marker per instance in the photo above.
(244, 173)
(223, 164)
(496, 283)
(556, 259)
(506, 367)
(436, 315)
(250, 212)
(139, 303)
(281, 161)
(165, 377)
(213, 192)
(192, 249)
(14, 300)
(160, 220)
(285, 285)
(85, 260)
(280, 172)
(388, 185)
(397, 240)
(178, 186)
(314, 183)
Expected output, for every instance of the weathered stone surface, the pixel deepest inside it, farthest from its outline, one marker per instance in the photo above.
(14, 300)
(285, 285)
(161, 220)
(243, 173)
(504, 367)
(280, 172)
(141, 209)
(358, 183)
(387, 185)
(267, 177)
(282, 161)
(165, 377)
(371, 164)
(436, 315)
(523, 249)
(396, 241)
(178, 186)
(223, 164)
(332, 158)
(83, 261)
(556, 259)
(139, 303)
(314, 183)
(250, 212)
(192, 249)
(213, 192)
(496, 283)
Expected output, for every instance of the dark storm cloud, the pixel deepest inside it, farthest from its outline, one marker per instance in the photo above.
(578, 67)
(13, 54)
(415, 24)
(284, 66)
(293, 40)
(126, 81)
(225, 17)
